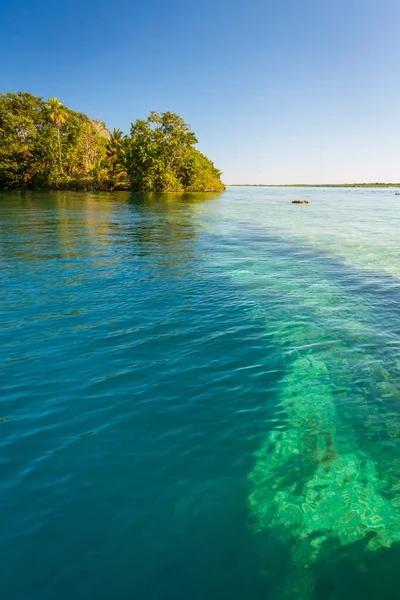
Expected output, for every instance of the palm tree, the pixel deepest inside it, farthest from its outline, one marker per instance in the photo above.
(99, 171)
(58, 114)
(116, 155)
(114, 144)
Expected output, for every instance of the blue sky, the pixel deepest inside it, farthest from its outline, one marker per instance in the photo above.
(277, 91)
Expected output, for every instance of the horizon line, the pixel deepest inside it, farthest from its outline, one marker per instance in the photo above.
(354, 184)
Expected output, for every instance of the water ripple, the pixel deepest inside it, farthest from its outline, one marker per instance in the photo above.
(159, 357)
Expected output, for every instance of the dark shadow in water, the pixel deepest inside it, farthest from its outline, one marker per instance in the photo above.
(344, 576)
(151, 198)
(164, 226)
(143, 224)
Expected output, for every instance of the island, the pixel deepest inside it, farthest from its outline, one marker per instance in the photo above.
(45, 145)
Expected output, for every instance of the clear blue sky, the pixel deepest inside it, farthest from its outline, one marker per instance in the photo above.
(277, 91)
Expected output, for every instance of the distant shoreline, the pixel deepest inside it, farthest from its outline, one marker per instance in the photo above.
(317, 185)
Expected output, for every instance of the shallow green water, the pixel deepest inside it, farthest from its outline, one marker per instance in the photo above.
(200, 395)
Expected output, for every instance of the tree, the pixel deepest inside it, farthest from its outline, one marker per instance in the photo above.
(58, 114)
(198, 173)
(116, 151)
(161, 156)
(47, 145)
(21, 119)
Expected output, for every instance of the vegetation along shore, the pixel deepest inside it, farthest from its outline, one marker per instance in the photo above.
(319, 185)
(45, 145)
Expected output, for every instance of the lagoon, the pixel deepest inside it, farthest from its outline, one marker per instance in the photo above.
(200, 395)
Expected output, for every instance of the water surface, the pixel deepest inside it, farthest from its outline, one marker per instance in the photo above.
(200, 395)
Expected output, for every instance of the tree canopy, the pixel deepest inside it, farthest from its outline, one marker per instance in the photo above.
(47, 145)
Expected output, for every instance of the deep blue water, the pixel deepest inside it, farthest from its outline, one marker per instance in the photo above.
(181, 376)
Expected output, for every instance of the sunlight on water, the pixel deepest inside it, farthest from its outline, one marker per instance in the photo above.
(328, 475)
(314, 480)
(200, 395)
(358, 226)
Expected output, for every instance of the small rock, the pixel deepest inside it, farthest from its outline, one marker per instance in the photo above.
(299, 201)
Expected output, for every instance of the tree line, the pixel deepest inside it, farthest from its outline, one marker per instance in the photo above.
(45, 145)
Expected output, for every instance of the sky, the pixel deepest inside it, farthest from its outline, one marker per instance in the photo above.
(277, 91)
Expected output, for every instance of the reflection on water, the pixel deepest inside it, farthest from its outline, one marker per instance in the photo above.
(28, 216)
(200, 395)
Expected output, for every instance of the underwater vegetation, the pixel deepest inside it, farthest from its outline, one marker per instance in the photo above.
(326, 479)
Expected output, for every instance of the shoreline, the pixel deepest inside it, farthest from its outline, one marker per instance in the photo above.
(316, 185)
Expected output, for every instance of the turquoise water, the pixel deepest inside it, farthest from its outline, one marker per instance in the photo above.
(200, 395)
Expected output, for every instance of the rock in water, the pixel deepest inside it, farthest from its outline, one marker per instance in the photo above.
(299, 201)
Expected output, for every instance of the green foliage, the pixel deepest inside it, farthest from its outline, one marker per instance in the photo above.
(20, 125)
(161, 157)
(116, 153)
(47, 145)
(199, 173)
